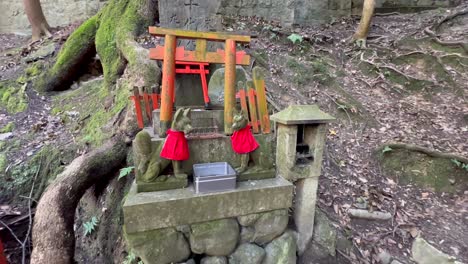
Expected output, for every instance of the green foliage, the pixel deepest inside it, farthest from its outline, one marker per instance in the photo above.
(90, 226)
(131, 259)
(386, 149)
(34, 69)
(8, 128)
(460, 164)
(295, 38)
(126, 171)
(3, 162)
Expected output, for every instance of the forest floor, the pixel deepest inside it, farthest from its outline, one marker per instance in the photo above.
(402, 88)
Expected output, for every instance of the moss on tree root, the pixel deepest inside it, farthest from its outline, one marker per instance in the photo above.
(111, 34)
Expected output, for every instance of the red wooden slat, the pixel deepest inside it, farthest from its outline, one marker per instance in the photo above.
(253, 110)
(139, 114)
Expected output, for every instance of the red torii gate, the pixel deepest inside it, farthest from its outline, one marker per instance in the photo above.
(170, 54)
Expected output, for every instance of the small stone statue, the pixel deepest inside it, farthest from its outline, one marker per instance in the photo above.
(243, 141)
(174, 148)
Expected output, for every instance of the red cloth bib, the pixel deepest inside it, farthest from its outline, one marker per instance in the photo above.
(175, 147)
(243, 141)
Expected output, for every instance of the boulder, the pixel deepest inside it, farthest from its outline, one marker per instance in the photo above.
(215, 238)
(270, 225)
(282, 250)
(247, 234)
(248, 220)
(324, 232)
(425, 253)
(159, 246)
(216, 84)
(214, 260)
(247, 254)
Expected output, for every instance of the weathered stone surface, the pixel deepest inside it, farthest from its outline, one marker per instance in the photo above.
(248, 220)
(215, 238)
(304, 210)
(270, 225)
(281, 250)
(5, 136)
(164, 182)
(216, 84)
(302, 114)
(154, 210)
(425, 253)
(41, 53)
(159, 246)
(214, 260)
(324, 233)
(247, 234)
(247, 254)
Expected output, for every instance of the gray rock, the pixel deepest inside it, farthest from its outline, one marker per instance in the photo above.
(424, 253)
(247, 234)
(214, 238)
(41, 53)
(270, 225)
(190, 261)
(324, 232)
(281, 250)
(159, 246)
(384, 257)
(248, 220)
(247, 254)
(5, 136)
(214, 260)
(395, 262)
(216, 84)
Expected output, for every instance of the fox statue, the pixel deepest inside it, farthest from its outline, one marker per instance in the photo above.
(152, 164)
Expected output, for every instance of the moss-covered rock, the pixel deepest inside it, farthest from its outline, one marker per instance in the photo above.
(247, 254)
(215, 238)
(159, 246)
(13, 98)
(412, 167)
(281, 250)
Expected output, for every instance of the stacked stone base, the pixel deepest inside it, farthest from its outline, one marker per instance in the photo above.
(246, 225)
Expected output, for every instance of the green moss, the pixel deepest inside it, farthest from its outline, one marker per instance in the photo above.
(13, 98)
(73, 45)
(3, 162)
(304, 73)
(8, 128)
(22, 79)
(411, 167)
(55, 110)
(34, 69)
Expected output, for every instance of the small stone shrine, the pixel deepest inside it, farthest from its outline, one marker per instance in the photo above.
(167, 221)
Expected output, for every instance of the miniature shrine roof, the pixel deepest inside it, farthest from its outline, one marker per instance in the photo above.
(302, 114)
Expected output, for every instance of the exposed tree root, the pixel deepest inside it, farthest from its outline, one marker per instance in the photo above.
(431, 31)
(427, 151)
(53, 234)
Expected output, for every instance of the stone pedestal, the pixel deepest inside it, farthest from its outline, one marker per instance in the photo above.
(166, 226)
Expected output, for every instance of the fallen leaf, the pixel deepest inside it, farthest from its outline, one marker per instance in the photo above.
(414, 232)
(332, 132)
(424, 195)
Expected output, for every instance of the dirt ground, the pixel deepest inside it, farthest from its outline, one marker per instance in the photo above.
(380, 94)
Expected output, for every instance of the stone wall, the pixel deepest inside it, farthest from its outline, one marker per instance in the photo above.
(206, 14)
(57, 12)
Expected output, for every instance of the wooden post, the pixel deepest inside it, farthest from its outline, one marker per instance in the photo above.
(229, 85)
(136, 100)
(253, 110)
(168, 79)
(259, 82)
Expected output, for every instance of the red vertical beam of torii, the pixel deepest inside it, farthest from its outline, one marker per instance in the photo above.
(168, 82)
(229, 85)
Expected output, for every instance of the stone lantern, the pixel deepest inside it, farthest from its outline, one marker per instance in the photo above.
(301, 132)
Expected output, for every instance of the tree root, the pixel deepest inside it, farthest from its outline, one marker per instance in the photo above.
(364, 214)
(424, 150)
(53, 233)
(431, 31)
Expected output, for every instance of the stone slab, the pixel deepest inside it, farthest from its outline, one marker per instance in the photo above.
(170, 182)
(155, 210)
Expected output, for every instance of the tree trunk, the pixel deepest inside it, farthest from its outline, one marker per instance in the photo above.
(364, 25)
(36, 18)
(53, 235)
